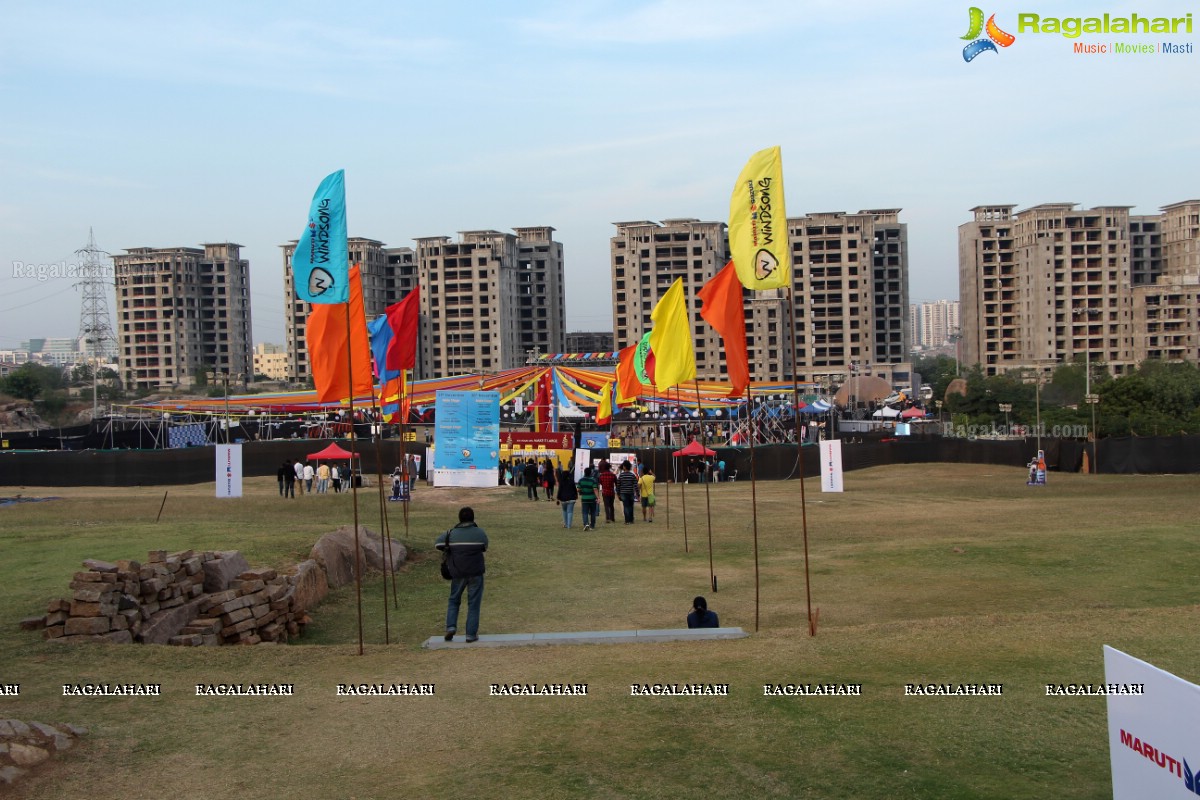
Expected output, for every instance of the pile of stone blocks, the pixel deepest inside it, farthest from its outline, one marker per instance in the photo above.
(185, 598)
(26, 745)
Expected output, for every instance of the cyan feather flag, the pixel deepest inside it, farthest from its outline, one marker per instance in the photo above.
(321, 263)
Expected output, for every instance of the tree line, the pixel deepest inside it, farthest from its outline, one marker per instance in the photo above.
(1156, 399)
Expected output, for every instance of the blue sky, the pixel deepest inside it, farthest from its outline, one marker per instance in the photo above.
(166, 127)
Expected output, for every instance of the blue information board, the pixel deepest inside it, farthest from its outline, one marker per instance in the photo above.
(467, 439)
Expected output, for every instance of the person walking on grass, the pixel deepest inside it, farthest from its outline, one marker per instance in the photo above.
(608, 491)
(287, 480)
(531, 479)
(464, 546)
(309, 474)
(587, 487)
(567, 495)
(646, 493)
(298, 468)
(627, 488)
(548, 478)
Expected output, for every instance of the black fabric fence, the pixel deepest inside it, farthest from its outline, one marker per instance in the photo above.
(1128, 455)
(173, 467)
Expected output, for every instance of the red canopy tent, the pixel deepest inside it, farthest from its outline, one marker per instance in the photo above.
(333, 453)
(912, 413)
(694, 448)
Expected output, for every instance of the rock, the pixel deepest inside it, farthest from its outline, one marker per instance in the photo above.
(33, 623)
(76, 730)
(9, 775)
(78, 626)
(309, 586)
(120, 637)
(335, 553)
(26, 755)
(264, 574)
(62, 743)
(167, 623)
(44, 730)
(223, 569)
(13, 727)
(99, 566)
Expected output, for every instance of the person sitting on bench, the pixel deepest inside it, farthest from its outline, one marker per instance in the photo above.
(701, 617)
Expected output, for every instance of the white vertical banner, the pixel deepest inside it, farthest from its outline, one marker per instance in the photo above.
(583, 460)
(1152, 742)
(831, 465)
(229, 470)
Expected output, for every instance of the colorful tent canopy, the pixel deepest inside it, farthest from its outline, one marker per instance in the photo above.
(577, 387)
(332, 453)
(694, 448)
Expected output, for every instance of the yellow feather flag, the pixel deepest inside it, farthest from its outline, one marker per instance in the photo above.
(758, 234)
(671, 339)
(605, 410)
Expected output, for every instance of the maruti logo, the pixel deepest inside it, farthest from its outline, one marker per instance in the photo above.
(995, 36)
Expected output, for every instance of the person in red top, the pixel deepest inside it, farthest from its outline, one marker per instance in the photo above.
(608, 491)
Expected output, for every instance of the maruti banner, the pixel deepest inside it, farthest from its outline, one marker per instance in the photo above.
(467, 432)
(1153, 739)
(831, 465)
(229, 470)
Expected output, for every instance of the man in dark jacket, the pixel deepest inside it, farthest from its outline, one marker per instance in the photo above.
(282, 474)
(464, 546)
(531, 479)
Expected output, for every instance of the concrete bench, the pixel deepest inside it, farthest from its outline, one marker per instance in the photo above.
(586, 637)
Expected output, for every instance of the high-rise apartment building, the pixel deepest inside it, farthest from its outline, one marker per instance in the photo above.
(1166, 309)
(486, 299)
(648, 257)
(1057, 283)
(490, 298)
(182, 311)
(934, 323)
(849, 292)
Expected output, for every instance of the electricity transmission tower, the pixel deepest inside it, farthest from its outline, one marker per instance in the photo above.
(95, 328)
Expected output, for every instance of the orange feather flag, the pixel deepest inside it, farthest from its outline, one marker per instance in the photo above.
(331, 344)
(724, 309)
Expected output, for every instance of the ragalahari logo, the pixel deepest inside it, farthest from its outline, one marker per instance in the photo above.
(995, 36)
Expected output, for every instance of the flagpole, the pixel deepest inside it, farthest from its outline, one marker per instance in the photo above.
(353, 482)
(712, 578)
(682, 486)
(753, 500)
(674, 473)
(412, 479)
(383, 521)
(812, 621)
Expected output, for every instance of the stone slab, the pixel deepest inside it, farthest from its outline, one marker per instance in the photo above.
(645, 636)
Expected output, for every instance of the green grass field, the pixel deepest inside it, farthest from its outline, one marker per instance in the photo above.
(931, 574)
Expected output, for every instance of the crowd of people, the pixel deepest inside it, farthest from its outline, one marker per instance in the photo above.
(310, 479)
(601, 485)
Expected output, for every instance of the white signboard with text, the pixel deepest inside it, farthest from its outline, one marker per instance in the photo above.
(831, 465)
(1153, 739)
(229, 470)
